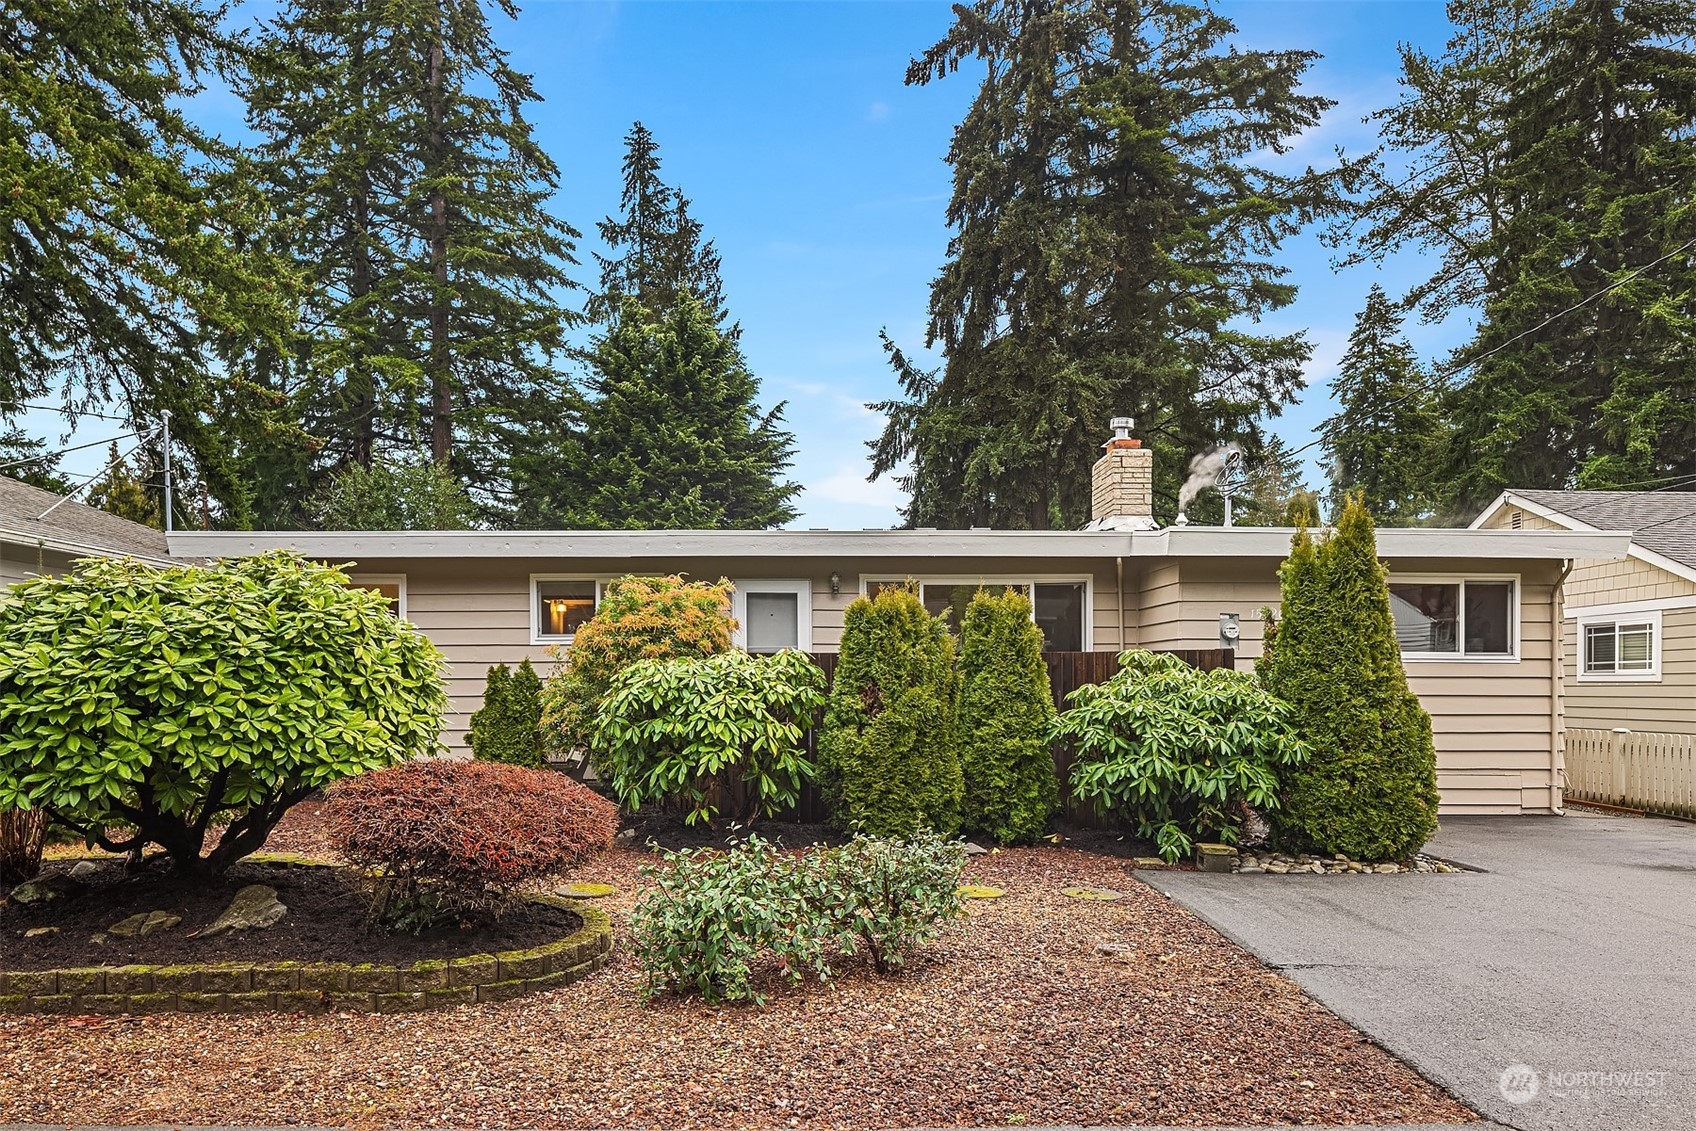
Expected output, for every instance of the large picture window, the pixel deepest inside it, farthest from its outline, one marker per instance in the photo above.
(560, 605)
(1471, 618)
(1060, 608)
(1620, 648)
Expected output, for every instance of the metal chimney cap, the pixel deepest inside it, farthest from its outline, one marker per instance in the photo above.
(1122, 426)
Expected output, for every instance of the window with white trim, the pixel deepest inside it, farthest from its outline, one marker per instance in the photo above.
(559, 605)
(1625, 647)
(1469, 618)
(390, 586)
(1059, 607)
(773, 614)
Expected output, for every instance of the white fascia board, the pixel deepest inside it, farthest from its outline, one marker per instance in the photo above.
(1661, 561)
(1508, 498)
(1627, 608)
(348, 545)
(79, 549)
(1393, 542)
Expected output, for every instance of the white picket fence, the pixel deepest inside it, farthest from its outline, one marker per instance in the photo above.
(1640, 769)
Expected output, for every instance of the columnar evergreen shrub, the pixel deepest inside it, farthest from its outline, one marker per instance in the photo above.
(679, 729)
(887, 755)
(639, 618)
(1370, 789)
(508, 727)
(201, 702)
(1006, 711)
(1177, 750)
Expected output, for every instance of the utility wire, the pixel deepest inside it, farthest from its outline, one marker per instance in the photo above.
(67, 451)
(86, 483)
(63, 411)
(1442, 376)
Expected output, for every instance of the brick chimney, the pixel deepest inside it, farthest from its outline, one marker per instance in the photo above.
(1122, 483)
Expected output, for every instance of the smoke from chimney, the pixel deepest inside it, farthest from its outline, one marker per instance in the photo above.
(1205, 470)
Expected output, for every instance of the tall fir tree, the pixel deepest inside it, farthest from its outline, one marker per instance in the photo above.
(134, 264)
(1275, 491)
(396, 133)
(1561, 139)
(1381, 441)
(672, 438)
(1113, 237)
(656, 246)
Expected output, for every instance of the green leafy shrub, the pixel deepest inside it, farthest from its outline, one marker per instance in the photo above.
(681, 729)
(708, 916)
(448, 838)
(1006, 712)
(508, 726)
(177, 701)
(892, 896)
(639, 618)
(887, 756)
(1370, 789)
(1177, 750)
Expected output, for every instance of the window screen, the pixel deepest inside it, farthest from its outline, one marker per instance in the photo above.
(1060, 615)
(1427, 616)
(563, 606)
(773, 621)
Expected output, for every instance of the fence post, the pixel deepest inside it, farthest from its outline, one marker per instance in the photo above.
(1617, 759)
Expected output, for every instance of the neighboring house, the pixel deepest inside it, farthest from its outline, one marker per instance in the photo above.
(1474, 608)
(43, 533)
(1629, 638)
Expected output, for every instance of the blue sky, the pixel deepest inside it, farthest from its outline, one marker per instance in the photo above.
(820, 177)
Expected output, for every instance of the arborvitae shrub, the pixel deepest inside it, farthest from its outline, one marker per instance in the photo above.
(887, 755)
(507, 728)
(1370, 788)
(1006, 710)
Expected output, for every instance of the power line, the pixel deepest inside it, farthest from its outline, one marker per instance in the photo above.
(67, 451)
(63, 411)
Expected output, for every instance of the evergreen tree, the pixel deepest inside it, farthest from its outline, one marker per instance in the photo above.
(657, 249)
(397, 136)
(127, 494)
(1553, 149)
(672, 437)
(415, 494)
(1275, 489)
(888, 763)
(507, 728)
(1112, 235)
(134, 271)
(28, 460)
(1006, 709)
(1381, 441)
(1370, 788)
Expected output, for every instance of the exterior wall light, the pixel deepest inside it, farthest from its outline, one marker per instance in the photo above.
(835, 583)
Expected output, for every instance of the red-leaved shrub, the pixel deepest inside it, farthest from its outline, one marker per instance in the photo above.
(455, 836)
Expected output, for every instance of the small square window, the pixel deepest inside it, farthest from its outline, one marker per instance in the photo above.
(562, 607)
(773, 621)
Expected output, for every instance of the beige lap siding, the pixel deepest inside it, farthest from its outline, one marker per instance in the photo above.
(1665, 707)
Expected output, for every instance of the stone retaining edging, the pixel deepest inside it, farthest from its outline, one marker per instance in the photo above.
(288, 987)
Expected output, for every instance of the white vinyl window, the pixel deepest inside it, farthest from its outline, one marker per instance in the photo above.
(1474, 618)
(773, 614)
(1059, 606)
(391, 586)
(559, 604)
(1623, 649)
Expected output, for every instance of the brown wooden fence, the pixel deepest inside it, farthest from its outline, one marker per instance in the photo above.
(1067, 671)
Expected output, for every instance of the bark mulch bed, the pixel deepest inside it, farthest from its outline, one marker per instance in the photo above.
(1037, 1009)
(325, 923)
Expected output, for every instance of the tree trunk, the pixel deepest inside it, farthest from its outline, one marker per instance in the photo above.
(441, 393)
(23, 834)
(364, 424)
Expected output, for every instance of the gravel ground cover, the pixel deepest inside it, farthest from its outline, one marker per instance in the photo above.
(1036, 1009)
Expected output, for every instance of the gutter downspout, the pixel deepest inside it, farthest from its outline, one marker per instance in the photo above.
(1119, 581)
(1557, 668)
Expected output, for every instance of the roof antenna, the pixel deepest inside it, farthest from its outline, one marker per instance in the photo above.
(165, 429)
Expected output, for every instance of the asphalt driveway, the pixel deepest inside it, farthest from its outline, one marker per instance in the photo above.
(1572, 955)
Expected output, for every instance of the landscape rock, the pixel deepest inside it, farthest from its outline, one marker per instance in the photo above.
(45, 889)
(976, 849)
(84, 869)
(625, 836)
(1149, 862)
(38, 932)
(254, 908)
(144, 923)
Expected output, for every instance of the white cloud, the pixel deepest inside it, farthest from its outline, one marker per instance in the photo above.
(878, 112)
(847, 484)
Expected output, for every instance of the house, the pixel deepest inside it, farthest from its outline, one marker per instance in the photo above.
(1475, 608)
(1629, 624)
(43, 533)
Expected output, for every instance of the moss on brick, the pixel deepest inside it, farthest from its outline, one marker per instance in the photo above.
(201, 1003)
(371, 979)
(473, 970)
(153, 1003)
(401, 1003)
(326, 976)
(176, 979)
(284, 976)
(226, 979)
(82, 981)
(500, 991)
(103, 1003)
(424, 976)
(130, 980)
